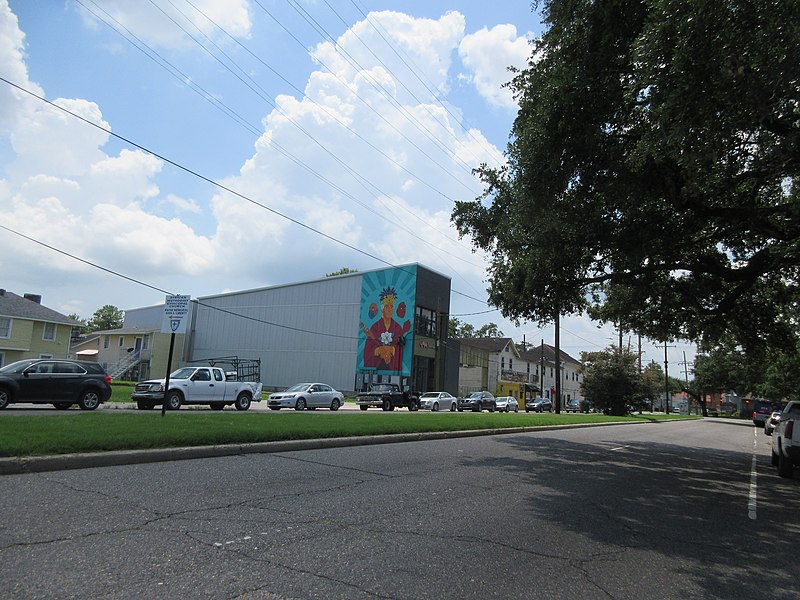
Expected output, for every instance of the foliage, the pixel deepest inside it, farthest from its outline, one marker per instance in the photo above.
(652, 171)
(342, 271)
(107, 317)
(76, 331)
(459, 329)
(612, 382)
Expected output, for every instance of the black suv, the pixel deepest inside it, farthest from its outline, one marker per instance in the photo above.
(477, 401)
(59, 382)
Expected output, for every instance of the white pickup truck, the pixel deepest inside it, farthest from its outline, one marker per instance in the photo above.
(786, 440)
(197, 385)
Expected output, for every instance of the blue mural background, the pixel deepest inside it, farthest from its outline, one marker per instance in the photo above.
(386, 328)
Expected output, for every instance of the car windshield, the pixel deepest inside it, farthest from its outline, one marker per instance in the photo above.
(183, 373)
(382, 387)
(430, 395)
(298, 387)
(17, 367)
(475, 395)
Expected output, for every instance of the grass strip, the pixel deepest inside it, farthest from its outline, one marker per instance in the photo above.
(102, 432)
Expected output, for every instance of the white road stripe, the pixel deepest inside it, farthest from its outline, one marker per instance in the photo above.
(751, 504)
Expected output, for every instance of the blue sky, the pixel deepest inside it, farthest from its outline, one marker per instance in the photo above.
(359, 119)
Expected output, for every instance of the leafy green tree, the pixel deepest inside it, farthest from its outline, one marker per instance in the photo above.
(652, 172)
(611, 380)
(342, 271)
(456, 328)
(107, 317)
(490, 330)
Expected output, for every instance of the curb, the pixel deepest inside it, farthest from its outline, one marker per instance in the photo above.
(63, 462)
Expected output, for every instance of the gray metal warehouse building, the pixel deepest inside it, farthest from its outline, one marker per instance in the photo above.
(382, 325)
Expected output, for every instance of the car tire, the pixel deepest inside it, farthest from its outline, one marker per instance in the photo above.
(516, 409)
(89, 399)
(387, 405)
(5, 398)
(452, 407)
(362, 407)
(242, 401)
(173, 401)
(335, 404)
(435, 407)
(62, 405)
(300, 404)
(785, 466)
(491, 408)
(460, 410)
(142, 405)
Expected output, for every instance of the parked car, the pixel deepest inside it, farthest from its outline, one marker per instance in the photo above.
(573, 405)
(772, 422)
(435, 401)
(59, 382)
(477, 401)
(538, 405)
(762, 409)
(303, 396)
(507, 404)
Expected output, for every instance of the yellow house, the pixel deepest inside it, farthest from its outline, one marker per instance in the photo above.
(30, 330)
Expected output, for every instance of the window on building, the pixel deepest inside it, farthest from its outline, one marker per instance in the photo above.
(510, 364)
(425, 322)
(5, 327)
(49, 332)
(106, 341)
(145, 342)
(121, 341)
(502, 362)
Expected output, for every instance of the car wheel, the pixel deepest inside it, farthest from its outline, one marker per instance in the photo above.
(460, 410)
(173, 401)
(335, 404)
(491, 408)
(516, 409)
(217, 406)
(774, 459)
(527, 409)
(300, 404)
(452, 407)
(142, 405)
(242, 401)
(387, 405)
(62, 405)
(89, 400)
(5, 398)
(785, 466)
(435, 407)
(362, 407)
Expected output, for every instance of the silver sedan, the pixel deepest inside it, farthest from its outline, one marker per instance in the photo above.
(303, 396)
(436, 401)
(507, 404)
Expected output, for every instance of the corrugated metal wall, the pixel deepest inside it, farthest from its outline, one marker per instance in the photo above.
(315, 339)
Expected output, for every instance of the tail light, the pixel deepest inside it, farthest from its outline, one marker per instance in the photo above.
(755, 412)
(787, 432)
(108, 379)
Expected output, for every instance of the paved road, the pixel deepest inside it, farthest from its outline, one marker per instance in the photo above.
(653, 511)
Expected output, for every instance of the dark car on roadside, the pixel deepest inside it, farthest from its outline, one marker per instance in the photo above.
(538, 405)
(60, 382)
(477, 401)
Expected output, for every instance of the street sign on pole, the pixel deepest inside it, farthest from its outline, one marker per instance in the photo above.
(176, 311)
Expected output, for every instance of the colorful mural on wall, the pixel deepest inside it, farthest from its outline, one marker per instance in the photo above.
(386, 331)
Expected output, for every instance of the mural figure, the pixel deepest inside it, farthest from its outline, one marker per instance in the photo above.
(383, 349)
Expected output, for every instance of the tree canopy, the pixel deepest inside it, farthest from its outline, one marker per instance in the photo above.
(459, 329)
(652, 171)
(612, 383)
(106, 317)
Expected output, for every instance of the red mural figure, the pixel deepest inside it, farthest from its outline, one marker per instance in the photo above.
(385, 339)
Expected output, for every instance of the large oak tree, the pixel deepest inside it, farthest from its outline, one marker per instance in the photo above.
(652, 170)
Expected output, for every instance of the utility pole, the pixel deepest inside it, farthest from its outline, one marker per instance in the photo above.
(558, 363)
(541, 372)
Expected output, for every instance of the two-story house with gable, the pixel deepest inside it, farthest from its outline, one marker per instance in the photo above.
(30, 330)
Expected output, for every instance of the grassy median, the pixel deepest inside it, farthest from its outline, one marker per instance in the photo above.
(105, 431)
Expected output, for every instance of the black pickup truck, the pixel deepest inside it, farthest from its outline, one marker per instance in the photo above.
(387, 396)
